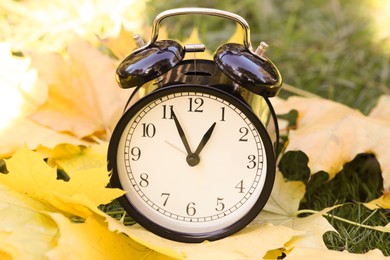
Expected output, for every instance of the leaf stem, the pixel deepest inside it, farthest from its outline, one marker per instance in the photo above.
(357, 224)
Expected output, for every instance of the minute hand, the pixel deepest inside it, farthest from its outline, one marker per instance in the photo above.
(181, 133)
(205, 139)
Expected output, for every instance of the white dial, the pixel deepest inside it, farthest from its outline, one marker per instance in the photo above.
(192, 161)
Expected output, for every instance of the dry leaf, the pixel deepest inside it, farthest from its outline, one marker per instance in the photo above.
(92, 240)
(238, 35)
(332, 134)
(250, 243)
(33, 202)
(25, 233)
(72, 158)
(283, 202)
(23, 131)
(121, 45)
(30, 175)
(84, 98)
(382, 109)
(381, 202)
(282, 209)
(52, 24)
(22, 92)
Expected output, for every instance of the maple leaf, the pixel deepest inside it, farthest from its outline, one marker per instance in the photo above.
(72, 158)
(52, 24)
(120, 45)
(331, 134)
(381, 202)
(382, 108)
(84, 98)
(22, 92)
(93, 240)
(30, 175)
(282, 208)
(24, 131)
(250, 243)
(24, 232)
(38, 213)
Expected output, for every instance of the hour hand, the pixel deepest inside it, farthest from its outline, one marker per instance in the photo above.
(181, 133)
(205, 139)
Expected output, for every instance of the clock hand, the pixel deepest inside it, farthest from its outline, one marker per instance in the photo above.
(181, 133)
(205, 139)
(174, 146)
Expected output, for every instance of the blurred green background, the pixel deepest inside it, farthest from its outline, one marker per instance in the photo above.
(333, 48)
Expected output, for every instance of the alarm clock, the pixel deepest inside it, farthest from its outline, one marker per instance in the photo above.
(195, 154)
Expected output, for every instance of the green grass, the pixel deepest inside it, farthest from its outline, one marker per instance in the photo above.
(324, 47)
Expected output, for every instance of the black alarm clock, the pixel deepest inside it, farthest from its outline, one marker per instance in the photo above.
(196, 153)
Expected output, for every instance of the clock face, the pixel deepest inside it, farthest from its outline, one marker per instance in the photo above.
(195, 163)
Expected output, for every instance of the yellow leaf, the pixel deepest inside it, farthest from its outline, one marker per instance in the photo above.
(93, 240)
(25, 233)
(382, 109)
(381, 202)
(32, 198)
(282, 209)
(52, 24)
(23, 131)
(238, 35)
(283, 202)
(251, 243)
(21, 91)
(73, 158)
(332, 134)
(30, 175)
(84, 98)
(121, 45)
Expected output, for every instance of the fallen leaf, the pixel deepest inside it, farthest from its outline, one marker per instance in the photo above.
(52, 24)
(93, 240)
(41, 215)
(30, 228)
(283, 209)
(381, 202)
(21, 90)
(72, 158)
(331, 134)
(84, 98)
(283, 202)
(23, 131)
(382, 109)
(121, 45)
(250, 243)
(25, 233)
(30, 175)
